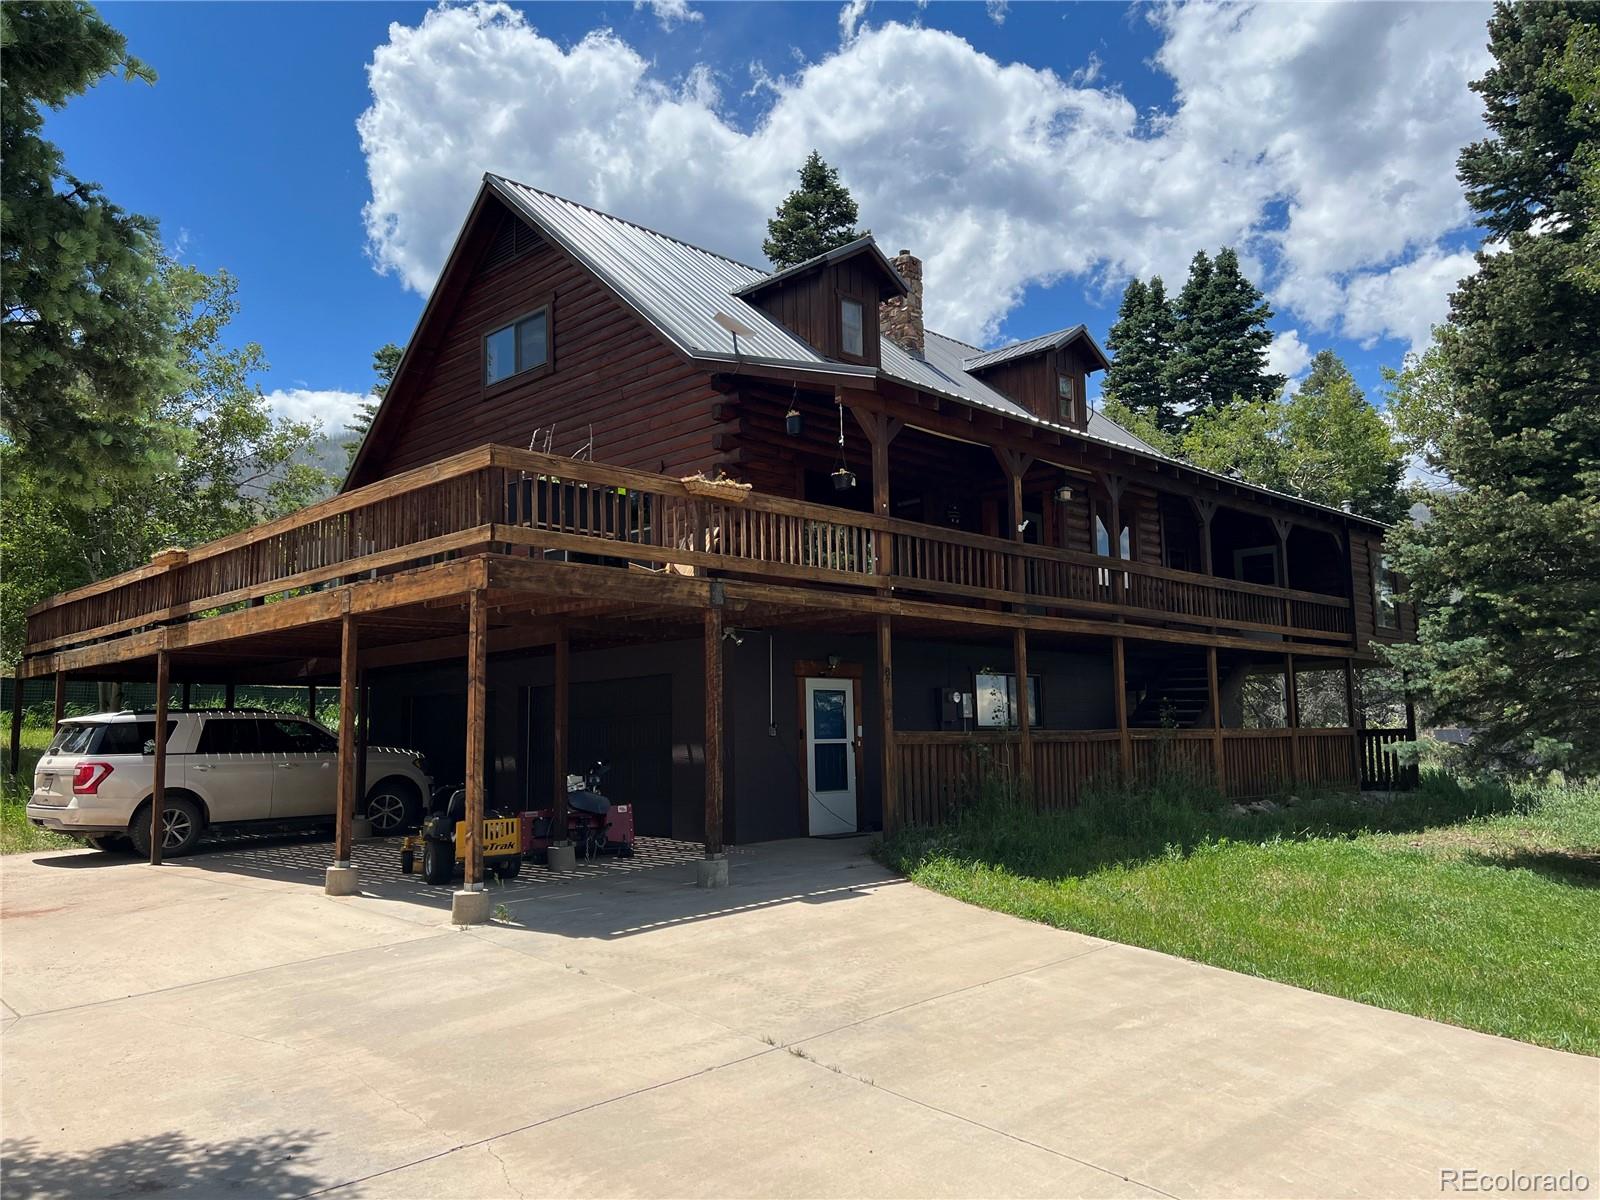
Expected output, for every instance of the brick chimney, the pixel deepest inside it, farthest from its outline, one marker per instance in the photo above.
(900, 319)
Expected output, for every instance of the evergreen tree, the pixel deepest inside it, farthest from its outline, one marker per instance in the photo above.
(385, 362)
(1142, 341)
(816, 217)
(1221, 337)
(1506, 575)
(87, 345)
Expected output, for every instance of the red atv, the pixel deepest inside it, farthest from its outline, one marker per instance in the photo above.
(595, 826)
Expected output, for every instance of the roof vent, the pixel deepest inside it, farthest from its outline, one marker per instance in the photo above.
(512, 240)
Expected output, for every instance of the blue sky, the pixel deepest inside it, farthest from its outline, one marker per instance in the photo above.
(1035, 155)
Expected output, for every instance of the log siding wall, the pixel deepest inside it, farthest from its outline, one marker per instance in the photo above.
(650, 409)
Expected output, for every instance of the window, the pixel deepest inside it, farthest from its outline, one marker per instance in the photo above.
(296, 737)
(852, 338)
(1067, 398)
(1383, 591)
(115, 737)
(996, 695)
(229, 736)
(518, 347)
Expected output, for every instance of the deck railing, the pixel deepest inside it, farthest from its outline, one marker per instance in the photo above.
(495, 497)
(938, 772)
(1382, 768)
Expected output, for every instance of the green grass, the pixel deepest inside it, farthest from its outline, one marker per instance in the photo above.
(16, 835)
(1476, 905)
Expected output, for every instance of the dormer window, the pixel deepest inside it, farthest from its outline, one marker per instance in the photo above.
(1065, 399)
(852, 324)
(523, 345)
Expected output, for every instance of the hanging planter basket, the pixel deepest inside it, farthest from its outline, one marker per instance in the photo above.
(729, 491)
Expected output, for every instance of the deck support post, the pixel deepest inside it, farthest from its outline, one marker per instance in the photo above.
(60, 700)
(889, 763)
(1218, 763)
(1119, 684)
(229, 694)
(158, 790)
(1354, 718)
(1019, 658)
(188, 694)
(311, 698)
(341, 876)
(1283, 526)
(16, 722)
(470, 905)
(713, 870)
(1291, 694)
(560, 855)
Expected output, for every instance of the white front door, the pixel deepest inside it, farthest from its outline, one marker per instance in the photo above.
(830, 756)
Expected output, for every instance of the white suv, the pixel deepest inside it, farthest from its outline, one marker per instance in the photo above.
(223, 768)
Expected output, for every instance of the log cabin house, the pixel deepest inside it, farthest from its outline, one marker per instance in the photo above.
(791, 562)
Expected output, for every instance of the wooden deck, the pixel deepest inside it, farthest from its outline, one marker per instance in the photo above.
(500, 501)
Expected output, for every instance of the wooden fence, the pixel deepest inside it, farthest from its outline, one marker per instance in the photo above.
(1381, 768)
(499, 498)
(940, 771)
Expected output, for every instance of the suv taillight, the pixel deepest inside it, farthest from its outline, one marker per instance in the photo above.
(88, 776)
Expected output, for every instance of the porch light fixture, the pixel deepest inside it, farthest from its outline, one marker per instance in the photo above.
(1064, 493)
(843, 477)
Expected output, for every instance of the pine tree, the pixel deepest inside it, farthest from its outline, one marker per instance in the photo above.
(1506, 575)
(88, 342)
(1143, 341)
(816, 217)
(385, 362)
(1221, 337)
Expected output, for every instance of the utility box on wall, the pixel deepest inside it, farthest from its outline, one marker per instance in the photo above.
(952, 709)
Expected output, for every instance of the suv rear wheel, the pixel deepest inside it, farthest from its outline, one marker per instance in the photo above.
(181, 823)
(393, 807)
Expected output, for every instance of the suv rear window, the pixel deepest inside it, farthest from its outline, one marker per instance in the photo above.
(112, 737)
(296, 737)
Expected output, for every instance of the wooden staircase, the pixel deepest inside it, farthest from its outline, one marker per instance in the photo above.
(1174, 696)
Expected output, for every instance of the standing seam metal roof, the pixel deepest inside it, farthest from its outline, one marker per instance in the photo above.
(679, 289)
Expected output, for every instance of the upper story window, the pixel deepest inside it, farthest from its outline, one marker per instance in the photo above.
(520, 346)
(1383, 592)
(1065, 399)
(852, 326)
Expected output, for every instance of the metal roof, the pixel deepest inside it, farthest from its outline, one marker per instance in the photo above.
(1045, 341)
(679, 289)
(866, 243)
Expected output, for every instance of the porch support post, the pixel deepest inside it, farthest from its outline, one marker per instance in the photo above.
(1019, 658)
(61, 700)
(880, 430)
(560, 856)
(1291, 693)
(16, 720)
(228, 694)
(341, 876)
(188, 694)
(712, 871)
(890, 761)
(1015, 464)
(1284, 526)
(1119, 684)
(1205, 510)
(1217, 760)
(311, 693)
(158, 791)
(1354, 718)
(470, 906)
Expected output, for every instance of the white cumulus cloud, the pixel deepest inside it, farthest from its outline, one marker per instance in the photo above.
(1288, 355)
(331, 407)
(1318, 139)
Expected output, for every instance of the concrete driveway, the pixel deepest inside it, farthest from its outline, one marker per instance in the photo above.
(821, 1028)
